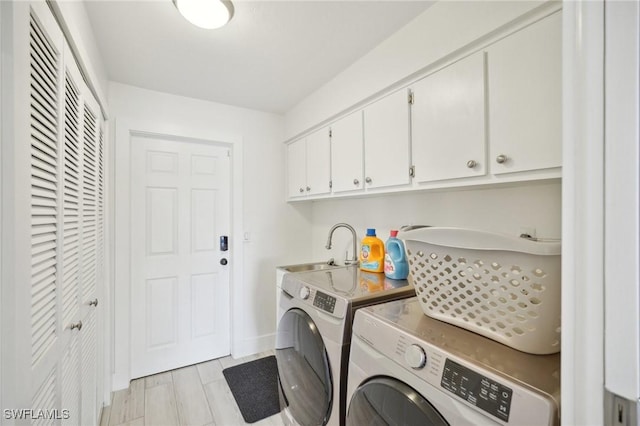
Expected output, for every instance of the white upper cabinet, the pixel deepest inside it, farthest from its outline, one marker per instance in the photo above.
(297, 168)
(308, 167)
(448, 122)
(346, 153)
(525, 98)
(386, 141)
(490, 115)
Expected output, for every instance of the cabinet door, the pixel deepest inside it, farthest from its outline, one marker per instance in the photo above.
(525, 98)
(318, 163)
(447, 121)
(346, 153)
(386, 135)
(296, 168)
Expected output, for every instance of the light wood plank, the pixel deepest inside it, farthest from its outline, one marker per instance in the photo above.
(191, 400)
(128, 404)
(160, 406)
(158, 379)
(118, 407)
(275, 420)
(223, 405)
(210, 371)
(136, 400)
(135, 422)
(104, 417)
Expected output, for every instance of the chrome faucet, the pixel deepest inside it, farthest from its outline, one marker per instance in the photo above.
(353, 261)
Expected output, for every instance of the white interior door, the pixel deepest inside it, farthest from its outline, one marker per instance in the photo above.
(180, 290)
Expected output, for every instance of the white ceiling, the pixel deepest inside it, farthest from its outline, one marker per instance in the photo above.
(269, 57)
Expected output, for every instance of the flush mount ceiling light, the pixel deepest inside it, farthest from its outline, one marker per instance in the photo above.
(208, 14)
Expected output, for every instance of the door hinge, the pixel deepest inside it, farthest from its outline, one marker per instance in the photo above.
(410, 97)
(412, 171)
(229, 153)
(330, 184)
(330, 133)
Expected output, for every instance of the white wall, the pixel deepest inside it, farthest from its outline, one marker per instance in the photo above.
(278, 232)
(506, 210)
(441, 30)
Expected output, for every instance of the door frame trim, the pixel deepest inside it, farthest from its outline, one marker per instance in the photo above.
(118, 313)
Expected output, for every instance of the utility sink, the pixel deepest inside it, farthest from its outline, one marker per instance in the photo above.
(315, 266)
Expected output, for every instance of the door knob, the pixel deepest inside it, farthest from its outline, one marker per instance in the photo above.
(223, 261)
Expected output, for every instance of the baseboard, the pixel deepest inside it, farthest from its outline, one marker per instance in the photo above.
(119, 381)
(254, 345)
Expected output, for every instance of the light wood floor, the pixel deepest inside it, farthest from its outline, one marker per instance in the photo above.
(194, 395)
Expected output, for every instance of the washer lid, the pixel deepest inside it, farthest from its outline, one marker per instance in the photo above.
(388, 401)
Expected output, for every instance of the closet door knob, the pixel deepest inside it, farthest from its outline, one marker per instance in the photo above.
(501, 159)
(368, 179)
(471, 164)
(356, 182)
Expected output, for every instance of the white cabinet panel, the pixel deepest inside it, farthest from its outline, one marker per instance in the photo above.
(387, 143)
(318, 163)
(297, 168)
(525, 98)
(448, 132)
(346, 153)
(308, 165)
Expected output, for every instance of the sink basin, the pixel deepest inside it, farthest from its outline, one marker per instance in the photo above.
(305, 267)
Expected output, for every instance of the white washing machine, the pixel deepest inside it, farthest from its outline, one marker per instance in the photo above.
(406, 368)
(314, 334)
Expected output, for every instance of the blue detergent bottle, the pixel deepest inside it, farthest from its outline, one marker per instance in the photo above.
(395, 259)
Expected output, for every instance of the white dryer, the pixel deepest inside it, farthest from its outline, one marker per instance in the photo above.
(406, 368)
(314, 334)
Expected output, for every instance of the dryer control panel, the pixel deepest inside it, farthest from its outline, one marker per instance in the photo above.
(476, 389)
(324, 301)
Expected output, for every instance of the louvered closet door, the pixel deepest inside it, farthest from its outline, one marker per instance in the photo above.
(67, 188)
(51, 353)
(92, 236)
(72, 166)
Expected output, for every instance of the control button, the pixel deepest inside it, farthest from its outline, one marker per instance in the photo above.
(415, 357)
(304, 293)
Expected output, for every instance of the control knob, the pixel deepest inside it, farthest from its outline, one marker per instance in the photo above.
(415, 357)
(304, 293)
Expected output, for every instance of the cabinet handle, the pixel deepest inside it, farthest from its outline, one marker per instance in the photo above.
(77, 325)
(356, 182)
(367, 179)
(471, 164)
(308, 189)
(501, 159)
(93, 302)
(301, 190)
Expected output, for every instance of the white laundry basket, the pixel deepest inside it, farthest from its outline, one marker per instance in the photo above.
(502, 287)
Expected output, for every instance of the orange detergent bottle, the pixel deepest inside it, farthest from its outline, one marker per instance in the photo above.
(372, 252)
